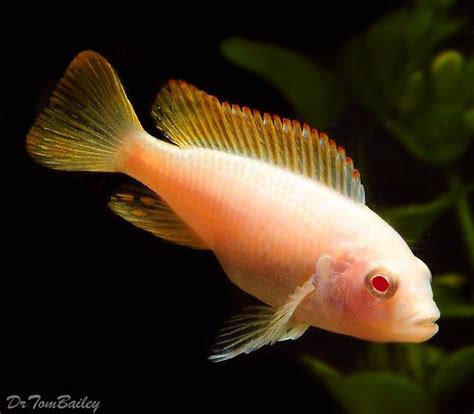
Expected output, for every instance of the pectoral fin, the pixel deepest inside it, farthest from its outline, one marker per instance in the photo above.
(261, 325)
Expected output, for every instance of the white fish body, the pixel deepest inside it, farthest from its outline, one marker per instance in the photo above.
(280, 206)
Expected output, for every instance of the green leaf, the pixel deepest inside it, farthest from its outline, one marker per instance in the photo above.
(377, 64)
(412, 221)
(381, 392)
(436, 136)
(358, 76)
(450, 280)
(465, 217)
(447, 71)
(385, 49)
(435, 117)
(313, 91)
(440, 133)
(453, 372)
(321, 369)
(449, 290)
(432, 357)
(468, 86)
(417, 361)
(378, 357)
(468, 120)
(414, 361)
(371, 392)
(413, 96)
(456, 310)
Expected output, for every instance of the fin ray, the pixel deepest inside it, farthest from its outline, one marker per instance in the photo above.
(259, 326)
(190, 117)
(86, 119)
(142, 207)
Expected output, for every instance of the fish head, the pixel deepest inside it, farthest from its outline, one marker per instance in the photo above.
(414, 312)
(379, 300)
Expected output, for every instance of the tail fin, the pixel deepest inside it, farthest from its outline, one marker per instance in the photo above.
(86, 120)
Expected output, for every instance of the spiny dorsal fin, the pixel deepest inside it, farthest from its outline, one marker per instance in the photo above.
(190, 117)
(141, 207)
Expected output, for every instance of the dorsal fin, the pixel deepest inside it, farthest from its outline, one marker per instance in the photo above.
(191, 118)
(143, 208)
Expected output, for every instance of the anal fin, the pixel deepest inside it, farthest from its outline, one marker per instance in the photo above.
(261, 325)
(144, 209)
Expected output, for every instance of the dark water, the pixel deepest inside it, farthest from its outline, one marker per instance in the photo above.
(90, 305)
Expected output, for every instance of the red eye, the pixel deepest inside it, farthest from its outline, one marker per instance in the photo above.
(380, 283)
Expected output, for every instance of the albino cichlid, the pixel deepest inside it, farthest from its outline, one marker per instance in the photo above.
(280, 205)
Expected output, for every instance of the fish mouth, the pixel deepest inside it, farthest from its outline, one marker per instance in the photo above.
(419, 327)
(428, 322)
(424, 329)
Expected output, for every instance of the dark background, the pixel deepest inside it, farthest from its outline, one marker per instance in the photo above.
(89, 305)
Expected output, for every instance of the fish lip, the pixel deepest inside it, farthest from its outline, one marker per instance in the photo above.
(428, 322)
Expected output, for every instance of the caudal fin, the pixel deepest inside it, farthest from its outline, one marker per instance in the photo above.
(86, 121)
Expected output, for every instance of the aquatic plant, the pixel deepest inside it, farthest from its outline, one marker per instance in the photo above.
(398, 378)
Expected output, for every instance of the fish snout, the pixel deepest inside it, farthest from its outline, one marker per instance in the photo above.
(428, 318)
(421, 325)
(426, 311)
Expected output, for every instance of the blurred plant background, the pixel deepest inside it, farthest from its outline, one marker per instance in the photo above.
(400, 76)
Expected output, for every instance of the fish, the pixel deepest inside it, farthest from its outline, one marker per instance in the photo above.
(279, 204)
